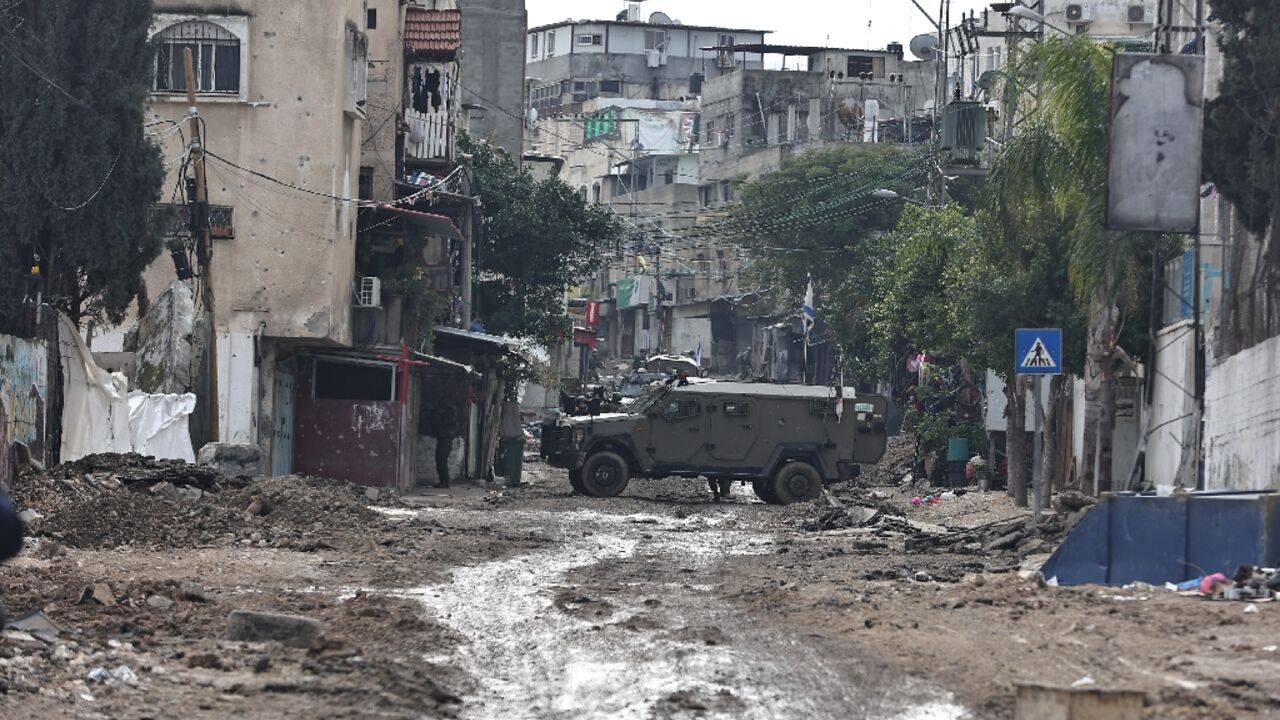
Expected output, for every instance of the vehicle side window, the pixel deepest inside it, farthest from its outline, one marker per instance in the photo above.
(736, 408)
(676, 409)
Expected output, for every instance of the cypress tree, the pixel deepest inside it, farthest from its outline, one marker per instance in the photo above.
(78, 174)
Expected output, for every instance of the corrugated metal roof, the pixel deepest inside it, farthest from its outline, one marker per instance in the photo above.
(433, 30)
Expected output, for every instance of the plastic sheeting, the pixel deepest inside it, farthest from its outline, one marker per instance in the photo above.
(158, 425)
(101, 415)
(95, 413)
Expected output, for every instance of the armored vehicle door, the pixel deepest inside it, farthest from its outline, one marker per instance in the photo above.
(676, 430)
(732, 427)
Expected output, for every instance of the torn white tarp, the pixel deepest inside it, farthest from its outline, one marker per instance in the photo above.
(101, 416)
(95, 413)
(158, 425)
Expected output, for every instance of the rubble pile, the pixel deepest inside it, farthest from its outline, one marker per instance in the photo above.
(133, 469)
(106, 501)
(899, 457)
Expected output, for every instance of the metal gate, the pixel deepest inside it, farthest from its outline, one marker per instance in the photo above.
(282, 422)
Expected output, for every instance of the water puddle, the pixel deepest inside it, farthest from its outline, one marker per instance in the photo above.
(657, 649)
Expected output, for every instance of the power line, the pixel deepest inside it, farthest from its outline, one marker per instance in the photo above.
(339, 198)
(110, 170)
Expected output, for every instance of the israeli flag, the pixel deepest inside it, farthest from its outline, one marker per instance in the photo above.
(807, 314)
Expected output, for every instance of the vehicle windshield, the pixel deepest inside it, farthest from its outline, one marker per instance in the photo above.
(634, 385)
(648, 398)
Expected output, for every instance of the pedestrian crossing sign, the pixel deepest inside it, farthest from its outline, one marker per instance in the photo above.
(1037, 351)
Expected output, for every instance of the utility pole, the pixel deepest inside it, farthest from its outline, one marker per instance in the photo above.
(656, 324)
(204, 250)
(468, 245)
(1197, 293)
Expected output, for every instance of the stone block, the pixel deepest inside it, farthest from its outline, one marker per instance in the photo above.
(290, 630)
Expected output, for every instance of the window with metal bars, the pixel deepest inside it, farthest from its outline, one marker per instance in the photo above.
(215, 54)
(681, 409)
(822, 407)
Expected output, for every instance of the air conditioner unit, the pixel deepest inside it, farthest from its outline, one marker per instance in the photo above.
(1079, 13)
(370, 293)
(1141, 15)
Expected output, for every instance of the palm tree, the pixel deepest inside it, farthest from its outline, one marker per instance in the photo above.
(1050, 180)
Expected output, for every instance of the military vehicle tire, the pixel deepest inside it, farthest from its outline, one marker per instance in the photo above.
(575, 482)
(764, 491)
(796, 482)
(605, 474)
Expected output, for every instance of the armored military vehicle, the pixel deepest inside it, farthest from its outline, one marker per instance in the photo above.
(787, 440)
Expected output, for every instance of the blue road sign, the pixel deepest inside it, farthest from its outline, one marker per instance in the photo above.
(1037, 351)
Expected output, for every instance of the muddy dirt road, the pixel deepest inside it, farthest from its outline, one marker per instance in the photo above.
(623, 618)
(533, 603)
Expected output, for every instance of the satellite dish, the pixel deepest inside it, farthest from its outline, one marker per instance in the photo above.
(986, 80)
(660, 18)
(922, 46)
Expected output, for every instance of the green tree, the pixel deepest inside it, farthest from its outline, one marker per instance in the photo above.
(1242, 124)
(818, 215)
(539, 238)
(77, 173)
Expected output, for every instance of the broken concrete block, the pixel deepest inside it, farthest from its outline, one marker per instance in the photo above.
(371, 494)
(1039, 702)
(99, 593)
(159, 602)
(1006, 541)
(232, 458)
(290, 630)
(165, 490)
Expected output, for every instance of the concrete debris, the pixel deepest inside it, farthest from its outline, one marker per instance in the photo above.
(1005, 541)
(29, 517)
(119, 675)
(165, 338)
(190, 494)
(1073, 501)
(106, 501)
(99, 593)
(36, 624)
(232, 459)
(159, 602)
(371, 494)
(165, 490)
(191, 592)
(289, 630)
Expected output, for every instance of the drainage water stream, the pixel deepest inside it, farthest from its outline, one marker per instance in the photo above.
(666, 648)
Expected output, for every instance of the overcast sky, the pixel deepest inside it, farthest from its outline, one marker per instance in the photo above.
(839, 23)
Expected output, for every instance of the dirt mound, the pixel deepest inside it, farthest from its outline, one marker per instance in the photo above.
(132, 468)
(105, 501)
(899, 456)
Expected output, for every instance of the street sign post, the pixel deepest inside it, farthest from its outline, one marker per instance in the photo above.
(1037, 352)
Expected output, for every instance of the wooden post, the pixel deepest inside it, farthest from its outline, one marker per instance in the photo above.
(204, 250)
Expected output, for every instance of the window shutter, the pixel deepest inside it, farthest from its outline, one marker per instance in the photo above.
(227, 62)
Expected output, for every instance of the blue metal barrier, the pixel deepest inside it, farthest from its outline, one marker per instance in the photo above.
(1130, 537)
